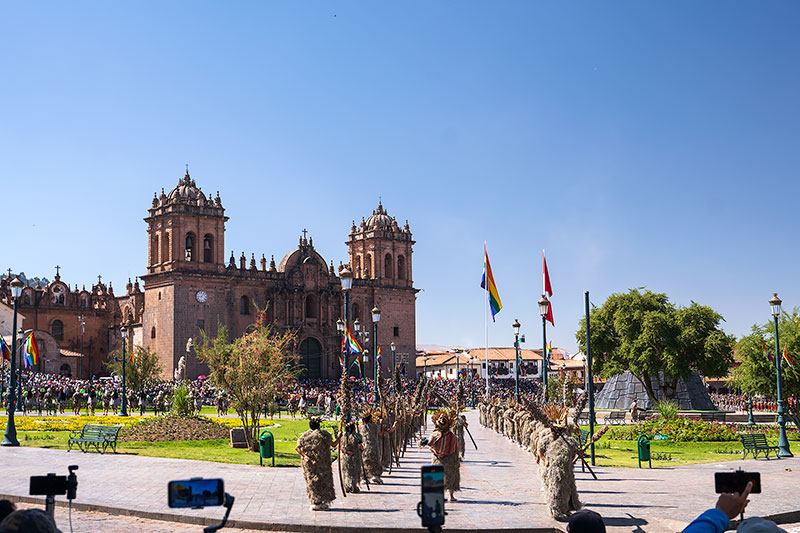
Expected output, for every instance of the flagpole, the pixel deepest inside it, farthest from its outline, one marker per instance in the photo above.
(486, 323)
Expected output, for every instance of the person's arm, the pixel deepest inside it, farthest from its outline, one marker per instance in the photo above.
(717, 520)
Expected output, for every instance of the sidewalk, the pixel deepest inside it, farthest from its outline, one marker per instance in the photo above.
(500, 484)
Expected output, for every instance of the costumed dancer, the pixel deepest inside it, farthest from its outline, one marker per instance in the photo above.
(350, 457)
(369, 431)
(314, 447)
(444, 447)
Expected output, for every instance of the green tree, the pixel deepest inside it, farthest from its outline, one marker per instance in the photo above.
(145, 371)
(757, 375)
(642, 332)
(251, 369)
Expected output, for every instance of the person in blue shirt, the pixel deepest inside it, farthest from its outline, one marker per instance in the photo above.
(718, 519)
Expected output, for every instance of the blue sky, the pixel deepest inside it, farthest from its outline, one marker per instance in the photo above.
(640, 143)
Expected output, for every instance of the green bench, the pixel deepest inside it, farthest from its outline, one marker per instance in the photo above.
(713, 417)
(757, 443)
(101, 437)
(615, 417)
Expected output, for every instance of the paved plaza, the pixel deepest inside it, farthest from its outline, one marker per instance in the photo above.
(501, 490)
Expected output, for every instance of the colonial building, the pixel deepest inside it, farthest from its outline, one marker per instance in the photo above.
(189, 286)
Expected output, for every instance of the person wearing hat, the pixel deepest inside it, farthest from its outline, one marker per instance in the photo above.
(445, 449)
(314, 447)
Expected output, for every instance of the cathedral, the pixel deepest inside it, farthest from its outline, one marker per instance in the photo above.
(190, 286)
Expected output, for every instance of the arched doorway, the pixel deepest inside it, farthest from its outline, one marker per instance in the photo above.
(311, 358)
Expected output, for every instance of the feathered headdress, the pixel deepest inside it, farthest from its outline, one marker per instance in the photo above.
(444, 419)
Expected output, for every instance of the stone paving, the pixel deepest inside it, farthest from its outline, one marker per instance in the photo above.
(500, 485)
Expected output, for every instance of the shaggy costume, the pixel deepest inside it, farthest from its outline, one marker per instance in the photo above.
(351, 461)
(557, 451)
(372, 453)
(461, 423)
(385, 434)
(316, 445)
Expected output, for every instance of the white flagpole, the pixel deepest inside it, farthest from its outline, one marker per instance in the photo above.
(486, 319)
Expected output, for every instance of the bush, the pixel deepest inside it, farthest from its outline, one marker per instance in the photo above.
(677, 429)
(173, 428)
(181, 405)
(666, 408)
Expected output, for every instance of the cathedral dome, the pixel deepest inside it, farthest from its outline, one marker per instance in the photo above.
(380, 219)
(186, 190)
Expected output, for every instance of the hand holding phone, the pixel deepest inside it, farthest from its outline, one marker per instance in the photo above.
(733, 504)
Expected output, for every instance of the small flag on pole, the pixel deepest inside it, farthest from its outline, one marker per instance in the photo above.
(767, 352)
(378, 356)
(349, 344)
(487, 283)
(357, 362)
(4, 349)
(32, 350)
(547, 290)
(786, 358)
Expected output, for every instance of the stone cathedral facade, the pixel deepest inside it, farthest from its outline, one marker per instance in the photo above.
(191, 284)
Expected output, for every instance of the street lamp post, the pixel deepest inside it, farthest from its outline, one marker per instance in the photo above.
(750, 420)
(425, 366)
(10, 437)
(346, 277)
(544, 304)
(394, 348)
(471, 379)
(376, 317)
(123, 330)
(783, 442)
(516, 326)
(82, 320)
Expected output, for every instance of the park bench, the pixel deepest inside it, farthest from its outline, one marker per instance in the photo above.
(315, 411)
(712, 417)
(756, 443)
(614, 417)
(101, 437)
(642, 414)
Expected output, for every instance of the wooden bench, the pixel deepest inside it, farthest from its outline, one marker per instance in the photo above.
(713, 417)
(101, 437)
(615, 417)
(756, 443)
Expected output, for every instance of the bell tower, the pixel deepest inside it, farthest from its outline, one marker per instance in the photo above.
(186, 230)
(379, 250)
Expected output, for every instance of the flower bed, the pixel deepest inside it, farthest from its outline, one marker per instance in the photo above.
(174, 428)
(677, 429)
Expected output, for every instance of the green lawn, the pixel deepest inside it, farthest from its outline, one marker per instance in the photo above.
(622, 453)
(218, 450)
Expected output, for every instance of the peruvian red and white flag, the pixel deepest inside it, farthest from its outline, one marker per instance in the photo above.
(547, 289)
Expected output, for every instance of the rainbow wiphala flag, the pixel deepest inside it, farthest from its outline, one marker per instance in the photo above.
(487, 283)
(349, 344)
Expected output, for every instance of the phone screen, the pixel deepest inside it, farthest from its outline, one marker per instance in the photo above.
(736, 481)
(432, 495)
(196, 493)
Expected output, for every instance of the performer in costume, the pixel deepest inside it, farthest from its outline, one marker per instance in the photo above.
(352, 445)
(314, 447)
(369, 431)
(444, 446)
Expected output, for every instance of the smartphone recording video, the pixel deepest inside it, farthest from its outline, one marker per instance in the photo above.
(736, 481)
(196, 493)
(48, 485)
(432, 495)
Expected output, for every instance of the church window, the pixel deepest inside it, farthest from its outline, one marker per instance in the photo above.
(358, 267)
(159, 295)
(244, 306)
(387, 266)
(154, 249)
(368, 266)
(26, 299)
(201, 324)
(208, 249)
(396, 331)
(311, 306)
(153, 332)
(165, 253)
(356, 312)
(128, 315)
(401, 267)
(190, 246)
(59, 295)
(57, 330)
(84, 301)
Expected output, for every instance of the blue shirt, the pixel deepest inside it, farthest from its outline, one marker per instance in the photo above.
(711, 521)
